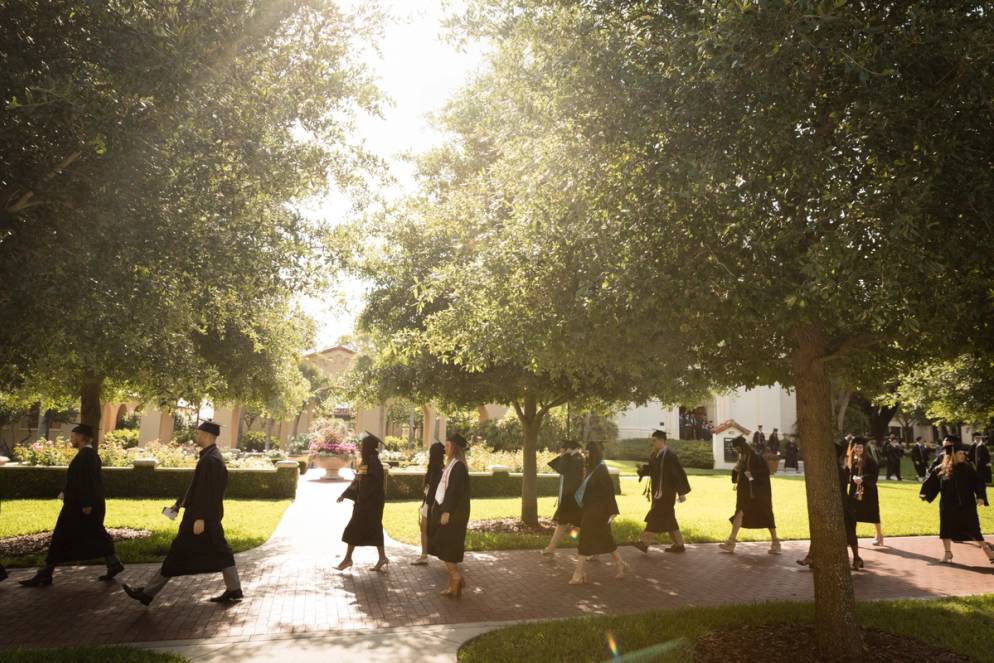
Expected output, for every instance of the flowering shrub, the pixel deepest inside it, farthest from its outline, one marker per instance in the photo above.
(329, 439)
(479, 458)
(112, 454)
(45, 452)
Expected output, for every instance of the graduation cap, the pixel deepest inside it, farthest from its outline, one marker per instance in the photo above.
(458, 440)
(210, 427)
(83, 429)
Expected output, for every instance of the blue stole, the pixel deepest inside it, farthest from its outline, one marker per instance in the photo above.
(583, 485)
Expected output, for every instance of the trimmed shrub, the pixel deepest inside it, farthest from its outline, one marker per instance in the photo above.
(697, 454)
(256, 441)
(408, 485)
(126, 438)
(45, 482)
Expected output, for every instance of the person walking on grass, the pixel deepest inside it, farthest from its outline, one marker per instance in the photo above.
(436, 461)
(368, 491)
(961, 490)
(569, 465)
(667, 484)
(753, 497)
(450, 514)
(919, 458)
(200, 546)
(79, 532)
(865, 498)
(599, 507)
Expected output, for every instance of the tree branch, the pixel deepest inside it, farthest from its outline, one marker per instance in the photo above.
(858, 342)
(26, 197)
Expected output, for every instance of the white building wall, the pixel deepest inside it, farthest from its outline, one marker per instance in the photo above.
(641, 420)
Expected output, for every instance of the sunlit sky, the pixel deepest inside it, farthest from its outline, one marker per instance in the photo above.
(417, 70)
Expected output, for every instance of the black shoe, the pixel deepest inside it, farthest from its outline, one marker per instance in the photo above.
(36, 581)
(111, 572)
(138, 594)
(641, 546)
(675, 549)
(229, 596)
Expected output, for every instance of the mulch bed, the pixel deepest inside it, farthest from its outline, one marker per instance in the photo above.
(790, 643)
(511, 526)
(29, 544)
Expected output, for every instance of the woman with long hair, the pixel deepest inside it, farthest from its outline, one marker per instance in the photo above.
(450, 514)
(569, 465)
(599, 507)
(753, 497)
(436, 461)
(841, 455)
(368, 489)
(864, 497)
(961, 489)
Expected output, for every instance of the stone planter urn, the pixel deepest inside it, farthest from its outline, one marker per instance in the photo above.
(332, 464)
(772, 461)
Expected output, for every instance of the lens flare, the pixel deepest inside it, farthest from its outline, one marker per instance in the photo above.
(574, 534)
(612, 645)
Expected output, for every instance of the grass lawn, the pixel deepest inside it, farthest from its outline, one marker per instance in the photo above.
(963, 625)
(247, 524)
(703, 517)
(88, 655)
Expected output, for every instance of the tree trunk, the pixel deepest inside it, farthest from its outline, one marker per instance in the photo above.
(530, 422)
(89, 410)
(837, 631)
(843, 408)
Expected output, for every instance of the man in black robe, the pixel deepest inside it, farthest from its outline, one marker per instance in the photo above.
(979, 456)
(773, 444)
(667, 484)
(759, 441)
(569, 465)
(919, 457)
(893, 452)
(200, 546)
(79, 532)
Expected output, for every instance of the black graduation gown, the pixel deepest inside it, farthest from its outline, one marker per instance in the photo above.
(893, 454)
(668, 480)
(208, 552)
(432, 476)
(919, 458)
(791, 453)
(866, 510)
(599, 504)
(773, 444)
(754, 498)
(570, 469)
(365, 527)
(448, 542)
(847, 512)
(980, 456)
(759, 442)
(958, 518)
(78, 536)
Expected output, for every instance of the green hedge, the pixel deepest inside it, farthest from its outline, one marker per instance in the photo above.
(405, 485)
(29, 482)
(693, 453)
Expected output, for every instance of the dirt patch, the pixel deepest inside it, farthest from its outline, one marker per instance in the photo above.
(789, 643)
(511, 526)
(30, 544)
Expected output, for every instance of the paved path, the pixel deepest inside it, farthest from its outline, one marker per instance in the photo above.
(293, 589)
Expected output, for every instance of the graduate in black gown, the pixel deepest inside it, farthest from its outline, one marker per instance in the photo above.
(450, 514)
(436, 462)
(753, 497)
(200, 546)
(920, 454)
(979, 456)
(791, 454)
(79, 532)
(368, 490)
(961, 490)
(596, 499)
(569, 465)
(893, 452)
(667, 484)
(841, 454)
(759, 440)
(773, 444)
(864, 496)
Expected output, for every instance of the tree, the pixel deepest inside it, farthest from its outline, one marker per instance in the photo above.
(951, 391)
(149, 161)
(799, 182)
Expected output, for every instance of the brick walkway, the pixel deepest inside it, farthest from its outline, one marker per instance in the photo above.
(292, 586)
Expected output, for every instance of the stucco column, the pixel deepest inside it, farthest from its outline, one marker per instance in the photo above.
(108, 418)
(227, 416)
(148, 428)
